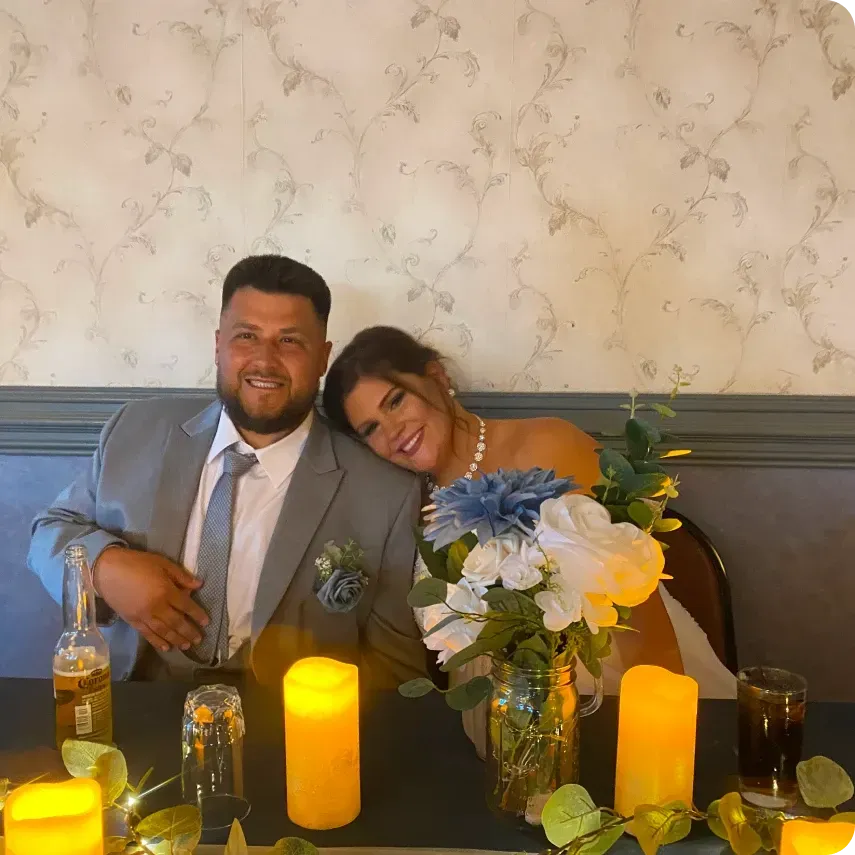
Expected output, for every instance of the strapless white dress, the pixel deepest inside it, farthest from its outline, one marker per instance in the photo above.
(699, 662)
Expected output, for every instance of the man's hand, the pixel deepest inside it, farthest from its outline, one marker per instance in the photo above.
(152, 594)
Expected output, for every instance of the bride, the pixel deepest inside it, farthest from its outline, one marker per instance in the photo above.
(393, 393)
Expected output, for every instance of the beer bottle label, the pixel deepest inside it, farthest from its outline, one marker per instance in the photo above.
(84, 705)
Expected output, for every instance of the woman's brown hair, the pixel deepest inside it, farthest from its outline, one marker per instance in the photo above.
(382, 352)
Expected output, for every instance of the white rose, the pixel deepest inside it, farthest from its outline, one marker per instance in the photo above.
(508, 558)
(458, 634)
(521, 571)
(561, 607)
(607, 564)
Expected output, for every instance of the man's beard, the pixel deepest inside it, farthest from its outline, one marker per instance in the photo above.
(285, 421)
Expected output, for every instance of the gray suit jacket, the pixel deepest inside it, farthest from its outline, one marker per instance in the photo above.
(139, 491)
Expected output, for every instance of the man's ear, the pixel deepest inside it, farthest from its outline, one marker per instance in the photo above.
(327, 351)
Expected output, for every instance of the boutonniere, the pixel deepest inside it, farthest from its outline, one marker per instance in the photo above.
(341, 579)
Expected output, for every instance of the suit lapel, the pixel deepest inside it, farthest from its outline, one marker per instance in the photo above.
(313, 486)
(181, 467)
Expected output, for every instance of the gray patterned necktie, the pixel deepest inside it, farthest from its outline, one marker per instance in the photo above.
(212, 564)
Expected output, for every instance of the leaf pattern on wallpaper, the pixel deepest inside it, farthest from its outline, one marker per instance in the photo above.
(824, 17)
(804, 273)
(560, 195)
(404, 81)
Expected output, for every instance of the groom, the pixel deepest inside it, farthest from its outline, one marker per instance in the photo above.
(203, 524)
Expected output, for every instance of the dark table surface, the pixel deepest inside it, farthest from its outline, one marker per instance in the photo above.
(422, 783)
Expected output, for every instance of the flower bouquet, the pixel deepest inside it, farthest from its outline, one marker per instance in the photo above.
(536, 576)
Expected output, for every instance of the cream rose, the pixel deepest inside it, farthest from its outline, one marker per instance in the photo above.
(608, 564)
(458, 634)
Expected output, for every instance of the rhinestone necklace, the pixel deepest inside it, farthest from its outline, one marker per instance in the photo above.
(480, 448)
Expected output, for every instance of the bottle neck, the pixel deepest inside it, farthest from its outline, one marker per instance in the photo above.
(78, 597)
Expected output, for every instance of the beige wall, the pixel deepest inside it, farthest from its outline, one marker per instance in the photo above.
(562, 194)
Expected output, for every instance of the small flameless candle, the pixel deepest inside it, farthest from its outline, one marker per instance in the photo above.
(656, 739)
(55, 819)
(800, 837)
(322, 743)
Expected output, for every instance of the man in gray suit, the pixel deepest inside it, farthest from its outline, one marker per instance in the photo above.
(203, 523)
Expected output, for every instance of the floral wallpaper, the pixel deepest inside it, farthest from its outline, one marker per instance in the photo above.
(560, 194)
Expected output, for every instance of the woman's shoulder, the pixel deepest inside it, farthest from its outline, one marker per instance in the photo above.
(555, 444)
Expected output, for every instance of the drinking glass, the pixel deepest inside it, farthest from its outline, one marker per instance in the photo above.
(771, 706)
(212, 756)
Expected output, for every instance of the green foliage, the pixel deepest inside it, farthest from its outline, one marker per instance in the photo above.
(569, 813)
(468, 695)
(823, 784)
(427, 592)
(494, 637)
(655, 827)
(293, 846)
(417, 688)
(236, 844)
(736, 818)
(104, 763)
(457, 553)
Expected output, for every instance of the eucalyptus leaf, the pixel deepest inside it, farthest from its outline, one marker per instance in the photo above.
(468, 695)
(743, 839)
(487, 642)
(528, 660)
(457, 553)
(624, 612)
(537, 645)
(637, 440)
(663, 411)
(80, 757)
(655, 826)
(669, 524)
(614, 460)
(714, 821)
(113, 845)
(598, 491)
(645, 467)
(172, 823)
(642, 514)
(293, 846)
(569, 814)
(427, 592)
(823, 784)
(417, 688)
(618, 513)
(442, 624)
(843, 817)
(112, 775)
(236, 844)
(646, 486)
(675, 452)
(184, 844)
(602, 842)
(654, 435)
(511, 601)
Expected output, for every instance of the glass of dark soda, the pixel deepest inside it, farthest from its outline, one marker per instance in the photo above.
(771, 705)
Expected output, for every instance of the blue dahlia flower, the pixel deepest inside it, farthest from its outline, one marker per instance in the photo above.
(492, 505)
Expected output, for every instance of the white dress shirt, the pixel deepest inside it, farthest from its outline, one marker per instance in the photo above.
(258, 500)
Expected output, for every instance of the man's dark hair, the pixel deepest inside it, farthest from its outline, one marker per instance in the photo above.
(277, 274)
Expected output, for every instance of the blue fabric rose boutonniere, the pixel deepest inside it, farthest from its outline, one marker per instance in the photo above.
(341, 581)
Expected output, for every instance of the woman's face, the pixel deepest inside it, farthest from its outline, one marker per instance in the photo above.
(410, 430)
